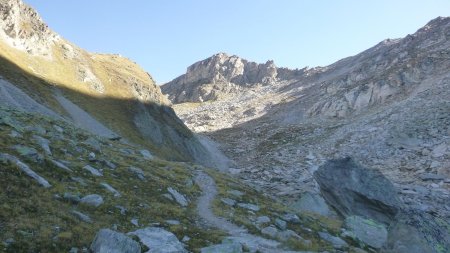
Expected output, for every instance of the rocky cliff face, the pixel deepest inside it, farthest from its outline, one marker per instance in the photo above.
(222, 74)
(22, 28)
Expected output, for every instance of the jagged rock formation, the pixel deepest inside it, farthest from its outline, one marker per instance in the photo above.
(22, 28)
(222, 74)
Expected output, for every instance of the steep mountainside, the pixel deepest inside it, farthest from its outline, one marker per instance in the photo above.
(386, 107)
(90, 89)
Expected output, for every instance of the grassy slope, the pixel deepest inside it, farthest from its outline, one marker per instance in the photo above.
(115, 108)
(39, 220)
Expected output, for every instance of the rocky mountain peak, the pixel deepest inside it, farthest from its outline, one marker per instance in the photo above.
(22, 28)
(221, 74)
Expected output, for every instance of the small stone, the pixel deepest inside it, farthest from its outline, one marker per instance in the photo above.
(135, 222)
(439, 150)
(15, 134)
(337, 242)
(79, 180)
(93, 143)
(236, 193)
(122, 209)
(81, 216)
(292, 218)
(168, 196)
(25, 169)
(250, 207)
(228, 202)
(179, 198)
(111, 189)
(94, 200)
(226, 247)
(43, 143)
(73, 250)
(8, 242)
(60, 165)
(186, 238)
(72, 198)
(137, 171)
(28, 152)
(146, 154)
(173, 222)
(270, 231)
(262, 220)
(58, 129)
(91, 157)
(281, 224)
(431, 177)
(93, 171)
(109, 164)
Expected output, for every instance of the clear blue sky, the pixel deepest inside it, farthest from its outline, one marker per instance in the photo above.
(166, 36)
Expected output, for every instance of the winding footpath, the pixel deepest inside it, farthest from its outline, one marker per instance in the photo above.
(237, 234)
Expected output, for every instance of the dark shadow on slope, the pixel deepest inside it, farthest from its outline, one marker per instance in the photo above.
(153, 126)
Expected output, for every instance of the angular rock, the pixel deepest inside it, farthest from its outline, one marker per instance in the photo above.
(367, 231)
(138, 172)
(270, 231)
(109, 164)
(337, 242)
(109, 241)
(228, 202)
(25, 169)
(159, 240)
(250, 207)
(431, 177)
(146, 154)
(43, 143)
(236, 193)
(94, 200)
(92, 157)
(72, 198)
(93, 171)
(179, 198)
(225, 247)
(111, 189)
(60, 165)
(81, 216)
(262, 220)
(281, 224)
(312, 203)
(28, 152)
(292, 218)
(354, 190)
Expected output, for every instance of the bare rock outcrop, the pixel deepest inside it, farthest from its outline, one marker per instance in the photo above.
(23, 29)
(222, 74)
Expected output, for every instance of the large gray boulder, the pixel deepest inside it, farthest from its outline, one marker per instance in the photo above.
(159, 240)
(108, 241)
(354, 190)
